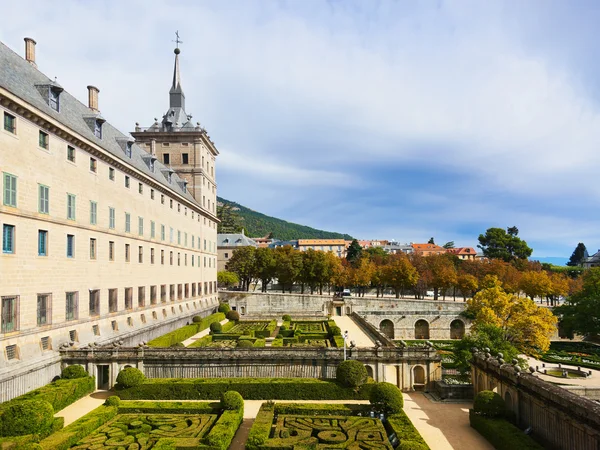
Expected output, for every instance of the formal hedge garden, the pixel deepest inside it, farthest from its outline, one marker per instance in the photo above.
(583, 354)
(308, 333)
(181, 334)
(232, 334)
(249, 388)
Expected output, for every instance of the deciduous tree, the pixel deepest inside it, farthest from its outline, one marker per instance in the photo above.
(535, 284)
(467, 284)
(399, 273)
(289, 265)
(443, 273)
(265, 266)
(581, 311)
(242, 262)
(227, 279)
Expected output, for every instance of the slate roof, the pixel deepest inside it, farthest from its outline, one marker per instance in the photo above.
(20, 78)
(234, 240)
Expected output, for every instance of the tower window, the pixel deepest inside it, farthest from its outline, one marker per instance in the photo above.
(185, 158)
(166, 158)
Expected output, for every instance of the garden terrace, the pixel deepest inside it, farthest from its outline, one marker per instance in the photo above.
(584, 354)
(309, 333)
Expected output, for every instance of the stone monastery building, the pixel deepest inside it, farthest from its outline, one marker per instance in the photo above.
(105, 236)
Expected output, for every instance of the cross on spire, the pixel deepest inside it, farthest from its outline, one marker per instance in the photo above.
(177, 40)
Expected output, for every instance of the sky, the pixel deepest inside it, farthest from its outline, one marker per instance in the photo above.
(380, 119)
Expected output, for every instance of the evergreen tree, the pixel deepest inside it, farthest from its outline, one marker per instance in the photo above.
(448, 245)
(579, 255)
(431, 241)
(506, 245)
(354, 253)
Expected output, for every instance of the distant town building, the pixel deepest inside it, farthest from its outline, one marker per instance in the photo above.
(395, 248)
(227, 244)
(592, 261)
(465, 253)
(337, 246)
(428, 249)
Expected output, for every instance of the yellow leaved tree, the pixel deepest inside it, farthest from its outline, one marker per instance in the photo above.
(526, 325)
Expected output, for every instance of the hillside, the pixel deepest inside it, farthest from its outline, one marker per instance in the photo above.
(256, 224)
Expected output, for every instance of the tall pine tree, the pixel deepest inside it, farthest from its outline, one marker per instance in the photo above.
(579, 255)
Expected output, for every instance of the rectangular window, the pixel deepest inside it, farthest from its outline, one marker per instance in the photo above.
(185, 158)
(93, 213)
(111, 174)
(152, 229)
(140, 254)
(193, 244)
(92, 248)
(179, 291)
(113, 300)
(10, 123)
(10, 314)
(166, 159)
(10, 190)
(93, 165)
(70, 207)
(126, 252)
(12, 352)
(178, 237)
(72, 306)
(162, 257)
(140, 226)
(185, 241)
(172, 292)
(44, 199)
(44, 315)
(140, 188)
(42, 243)
(70, 245)
(111, 218)
(187, 290)
(70, 154)
(178, 258)
(111, 250)
(141, 296)
(96, 330)
(128, 298)
(53, 99)
(171, 203)
(94, 302)
(171, 234)
(43, 140)
(163, 293)
(151, 194)
(8, 238)
(126, 181)
(127, 223)
(162, 232)
(171, 258)
(98, 129)
(162, 199)
(114, 325)
(151, 256)
(153, 295)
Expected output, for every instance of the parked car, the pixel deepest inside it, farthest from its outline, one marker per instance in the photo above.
(346, 293)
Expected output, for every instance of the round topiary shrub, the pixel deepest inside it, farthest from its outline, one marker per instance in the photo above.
(196, 319)
(215, 328)
(283, 328)
(387, 398)
(74, 371)
(351, 373)
(335, 331)
(233, 316)
(489, 404)
(232, 400)
(287, 318)
(27, 417)
(244, 343)
(113, 400)
(224, 308)
(130, 377)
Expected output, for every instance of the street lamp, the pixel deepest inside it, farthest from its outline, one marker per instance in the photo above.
(345, 338)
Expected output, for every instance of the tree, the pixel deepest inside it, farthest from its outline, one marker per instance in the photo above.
(351, 373)
(227, 278)
(265, 266)
(363, 275)
(525, 325)
(505, 245)
(230, 221)
(448, 245)
(242, 262)
(309, 271)
(289, 264)
(535, 284)
(579, 255)
(581, 311)
(354, 253)
(332, 266)
(399, 273)
(467, 284)
(443, 273)
(431, 241)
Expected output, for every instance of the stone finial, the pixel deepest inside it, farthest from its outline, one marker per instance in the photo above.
(515, 362)
(500, 355)
(531, 370)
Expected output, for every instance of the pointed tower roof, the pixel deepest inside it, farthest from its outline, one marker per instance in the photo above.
(176, 95)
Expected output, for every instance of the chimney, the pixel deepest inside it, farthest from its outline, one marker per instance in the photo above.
(93, 98)
(30, 51)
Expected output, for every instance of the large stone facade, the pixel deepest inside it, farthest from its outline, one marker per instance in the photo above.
(396, 318)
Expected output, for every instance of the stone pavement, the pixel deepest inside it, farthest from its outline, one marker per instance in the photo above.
(355, 333)
(200, 335)
(444, 426)
(83, 406)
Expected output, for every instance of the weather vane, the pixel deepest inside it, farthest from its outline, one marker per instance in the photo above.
(177, 41)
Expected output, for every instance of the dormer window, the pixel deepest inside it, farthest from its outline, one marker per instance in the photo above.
(98, 129)
(128, 149)
(54, 99)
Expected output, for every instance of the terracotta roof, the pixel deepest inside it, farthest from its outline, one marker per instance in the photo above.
(321, 242)
(462, 251)
(427, 247)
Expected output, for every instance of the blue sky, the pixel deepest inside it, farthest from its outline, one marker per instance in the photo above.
(389, 120)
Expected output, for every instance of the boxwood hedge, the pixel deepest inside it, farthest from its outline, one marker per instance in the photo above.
(502, 434)
(185, 332)
(406, 432)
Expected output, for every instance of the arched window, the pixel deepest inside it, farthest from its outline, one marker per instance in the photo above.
(421, 329)
(457, 329)
(387, 327)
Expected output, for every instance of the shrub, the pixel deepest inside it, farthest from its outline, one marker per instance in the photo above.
(130, 377)
(196, 319)
(232, 401)
(185, 332)
(73, 372)
(286, 318)
(215, 327)
(412, 445)
(28, 417)
(261, 428)
(233, 315)
(386, 398)
(113, 400)
(283, 328)
(502, 434)
(335, 330)
(351, 373)
(489, 404)
(224, 308)
(244, 343)
(406, 432)
(221, 434)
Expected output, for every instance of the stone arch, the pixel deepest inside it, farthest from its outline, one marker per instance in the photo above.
(457, 329)
(369, 371)
(508, 401)
(421, 329)
(387, 327)
(418, 377)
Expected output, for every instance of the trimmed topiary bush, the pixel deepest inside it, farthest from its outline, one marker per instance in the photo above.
(215, 327)
(351, 373)
(130, 377)
(113, 400)
(244, 343)
(196, 319)
(335, 330)
(224, 308)
(489, 404)
(387, 398)
(233, 315)
(286, 318)
(27, 417)
(232, 401)
(74, 371)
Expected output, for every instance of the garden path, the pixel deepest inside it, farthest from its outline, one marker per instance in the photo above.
(355, 333)
(194, 338)
(83, 406)
(444, 426)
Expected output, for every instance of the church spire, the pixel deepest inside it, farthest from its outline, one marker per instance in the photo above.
(176, 95)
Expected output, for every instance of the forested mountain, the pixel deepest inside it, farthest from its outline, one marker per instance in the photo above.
(234, 217)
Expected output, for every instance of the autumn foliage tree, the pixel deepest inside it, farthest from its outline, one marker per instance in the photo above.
(399, 274)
